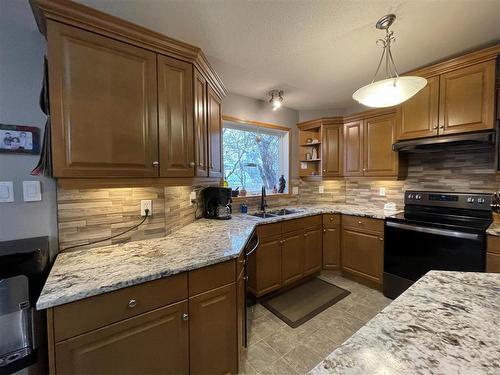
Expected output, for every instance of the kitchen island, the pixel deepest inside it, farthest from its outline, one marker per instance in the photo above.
(446, 323)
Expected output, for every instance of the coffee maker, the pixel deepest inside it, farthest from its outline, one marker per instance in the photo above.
(217, 203)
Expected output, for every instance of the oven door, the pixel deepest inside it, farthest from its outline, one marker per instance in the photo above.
(411, 250)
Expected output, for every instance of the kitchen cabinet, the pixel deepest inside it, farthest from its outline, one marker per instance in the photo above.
(493, 254)
(353, 148)
(241, 316)
(175, 115)
(312, 250)
(418, 116)
(214, 133)
(363, 249)
(467, 99)
(213, 331)
(200, 124)
(379, 133)
(103, 105)
(292, 257)
(155, 342)
(331, 242)
(332, 150)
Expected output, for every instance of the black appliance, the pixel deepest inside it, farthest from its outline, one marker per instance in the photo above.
(250, 248)
(24, 266)
(217, 203)
(436, 231)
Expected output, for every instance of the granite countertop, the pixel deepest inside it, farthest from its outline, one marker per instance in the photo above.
(88, 272)
(494, 229)
(446, 323)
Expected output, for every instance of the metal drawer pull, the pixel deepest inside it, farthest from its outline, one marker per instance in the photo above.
(155, 164)
(440, 232)
(132, 303)
(192, 164)
(185, 316)
(254, 248)
(360, 222)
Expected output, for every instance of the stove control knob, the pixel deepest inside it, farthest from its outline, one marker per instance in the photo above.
(410, 196)
(480, 200)
(470, 200)
(418, 197)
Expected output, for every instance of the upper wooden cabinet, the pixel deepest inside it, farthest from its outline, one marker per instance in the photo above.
(200, 125)
(467, 99)
(379, 133)
(175, 114)
(214, 133)
(353, 148)
(332, 150)
(418, 116)
(103, 105)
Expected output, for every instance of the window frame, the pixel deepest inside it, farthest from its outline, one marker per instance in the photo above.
(287, 156)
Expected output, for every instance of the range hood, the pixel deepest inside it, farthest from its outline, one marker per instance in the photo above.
(468, 141)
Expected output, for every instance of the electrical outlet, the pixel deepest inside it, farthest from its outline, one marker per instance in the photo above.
(146, 204)
(295, 190)
(192, 198)
(381, 192)
(321, 189)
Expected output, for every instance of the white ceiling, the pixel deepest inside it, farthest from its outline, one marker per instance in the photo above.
(318, 51)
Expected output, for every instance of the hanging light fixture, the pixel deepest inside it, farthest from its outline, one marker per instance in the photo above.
(393, 89)
(276, 98)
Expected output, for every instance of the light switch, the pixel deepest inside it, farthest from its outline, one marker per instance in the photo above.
(32, 191)
(6, 191)
(295, 190)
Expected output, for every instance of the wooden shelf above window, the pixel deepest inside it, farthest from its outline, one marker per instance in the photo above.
(310, 144)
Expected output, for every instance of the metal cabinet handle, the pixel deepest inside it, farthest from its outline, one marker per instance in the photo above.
(185, 316)
(132, 303)
(306, 234)
(324, 230)
(331, 218)
(360, 222)
(435, 127)
(192, 164)
(156, 163)
(381, 239)
(364, 169)
(245, 278)
(324, 170)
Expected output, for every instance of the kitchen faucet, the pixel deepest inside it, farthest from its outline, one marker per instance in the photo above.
(263, 203)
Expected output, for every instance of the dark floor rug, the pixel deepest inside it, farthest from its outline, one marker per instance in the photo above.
(296, 306)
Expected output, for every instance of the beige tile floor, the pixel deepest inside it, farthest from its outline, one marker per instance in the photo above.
(275, 348)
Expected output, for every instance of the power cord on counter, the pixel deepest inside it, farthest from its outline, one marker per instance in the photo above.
(146, 211)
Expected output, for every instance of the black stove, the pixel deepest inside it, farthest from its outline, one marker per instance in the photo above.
(436, 231)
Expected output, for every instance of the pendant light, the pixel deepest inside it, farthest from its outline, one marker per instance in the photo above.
(393, 89)
(276, 98)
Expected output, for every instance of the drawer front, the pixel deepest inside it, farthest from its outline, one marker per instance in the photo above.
(492, 262)
(330, 220)
(494, 244)
(302, 223)
(363, 223)
(88, 314)
(268, 230)
(211, 277)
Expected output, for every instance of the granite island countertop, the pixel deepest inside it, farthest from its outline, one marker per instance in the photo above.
(494, 229)
(88, 272)
(446, 323)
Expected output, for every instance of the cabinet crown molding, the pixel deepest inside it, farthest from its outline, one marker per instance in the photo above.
(81, 16)
(310, 124)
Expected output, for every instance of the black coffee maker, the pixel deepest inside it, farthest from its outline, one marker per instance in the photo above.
(217, 203)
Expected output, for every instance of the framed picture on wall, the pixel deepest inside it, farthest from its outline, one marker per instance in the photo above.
(19, 139)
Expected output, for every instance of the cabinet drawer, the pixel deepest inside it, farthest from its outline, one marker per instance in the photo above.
(330, 220)
(492, 262)
(493, 244)
(363, 223)
(302, 223)
(211, 277)
(88, 314)
(269, 230)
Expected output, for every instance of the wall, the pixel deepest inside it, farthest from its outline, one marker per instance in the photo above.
(21, 65)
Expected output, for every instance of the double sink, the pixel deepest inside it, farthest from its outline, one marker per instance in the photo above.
(274, 213)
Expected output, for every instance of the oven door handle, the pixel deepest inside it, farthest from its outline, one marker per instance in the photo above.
(254, 248)
(439, 232)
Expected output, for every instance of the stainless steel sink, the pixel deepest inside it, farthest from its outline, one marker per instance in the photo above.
(263, 215)
(282, 211)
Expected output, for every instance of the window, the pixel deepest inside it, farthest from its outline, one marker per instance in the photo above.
(255, 156)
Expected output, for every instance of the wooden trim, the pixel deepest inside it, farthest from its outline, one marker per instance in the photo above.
(78, 15)
(370, 113)
(311, 124)
(98, 183)
(51, 341)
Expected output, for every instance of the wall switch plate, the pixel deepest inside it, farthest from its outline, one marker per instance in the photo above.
(6, 191)
(381, 192)
(146, 204)
(295, 190)
(192, 198)
(321, 189)
(32, 191)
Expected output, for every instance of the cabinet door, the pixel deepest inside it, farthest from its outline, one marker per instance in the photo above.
(241, 317)
(313, 241)
(213, 332)
(332, 150)
(331, 247)
(214, 133)
(175, 114)
(154, 343)
(362, 254)
(467, 99)
(418, 116)
(379, 134)
(268, 265)
(292, 258)
(353, 148)
(200, 125)
(103, 105)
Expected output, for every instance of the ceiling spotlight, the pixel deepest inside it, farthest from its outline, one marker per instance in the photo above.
(393, 89)
(276, 98)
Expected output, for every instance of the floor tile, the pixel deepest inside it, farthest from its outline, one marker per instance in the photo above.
(302, 358)
(260, 355)
(279, 367)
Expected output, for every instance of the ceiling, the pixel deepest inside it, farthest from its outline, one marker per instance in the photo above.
(319, 52)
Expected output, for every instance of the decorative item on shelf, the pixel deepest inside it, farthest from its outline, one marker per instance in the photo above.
(309, 140)
(308, 156)
(275, 191)
(495, 206)
(393, 89)
(315, 141)
(244, 208)
(243, 192)
(235, 192)
(276, 98)
(282, 184)
(314, 154)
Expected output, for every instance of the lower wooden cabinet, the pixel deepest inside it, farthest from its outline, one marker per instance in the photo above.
(312, 250)
(156, 342)
(241, 316)
(493, 254)
(213, 332)
(331, 242)
(264, 267)
(363, 249)
(292, 258)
